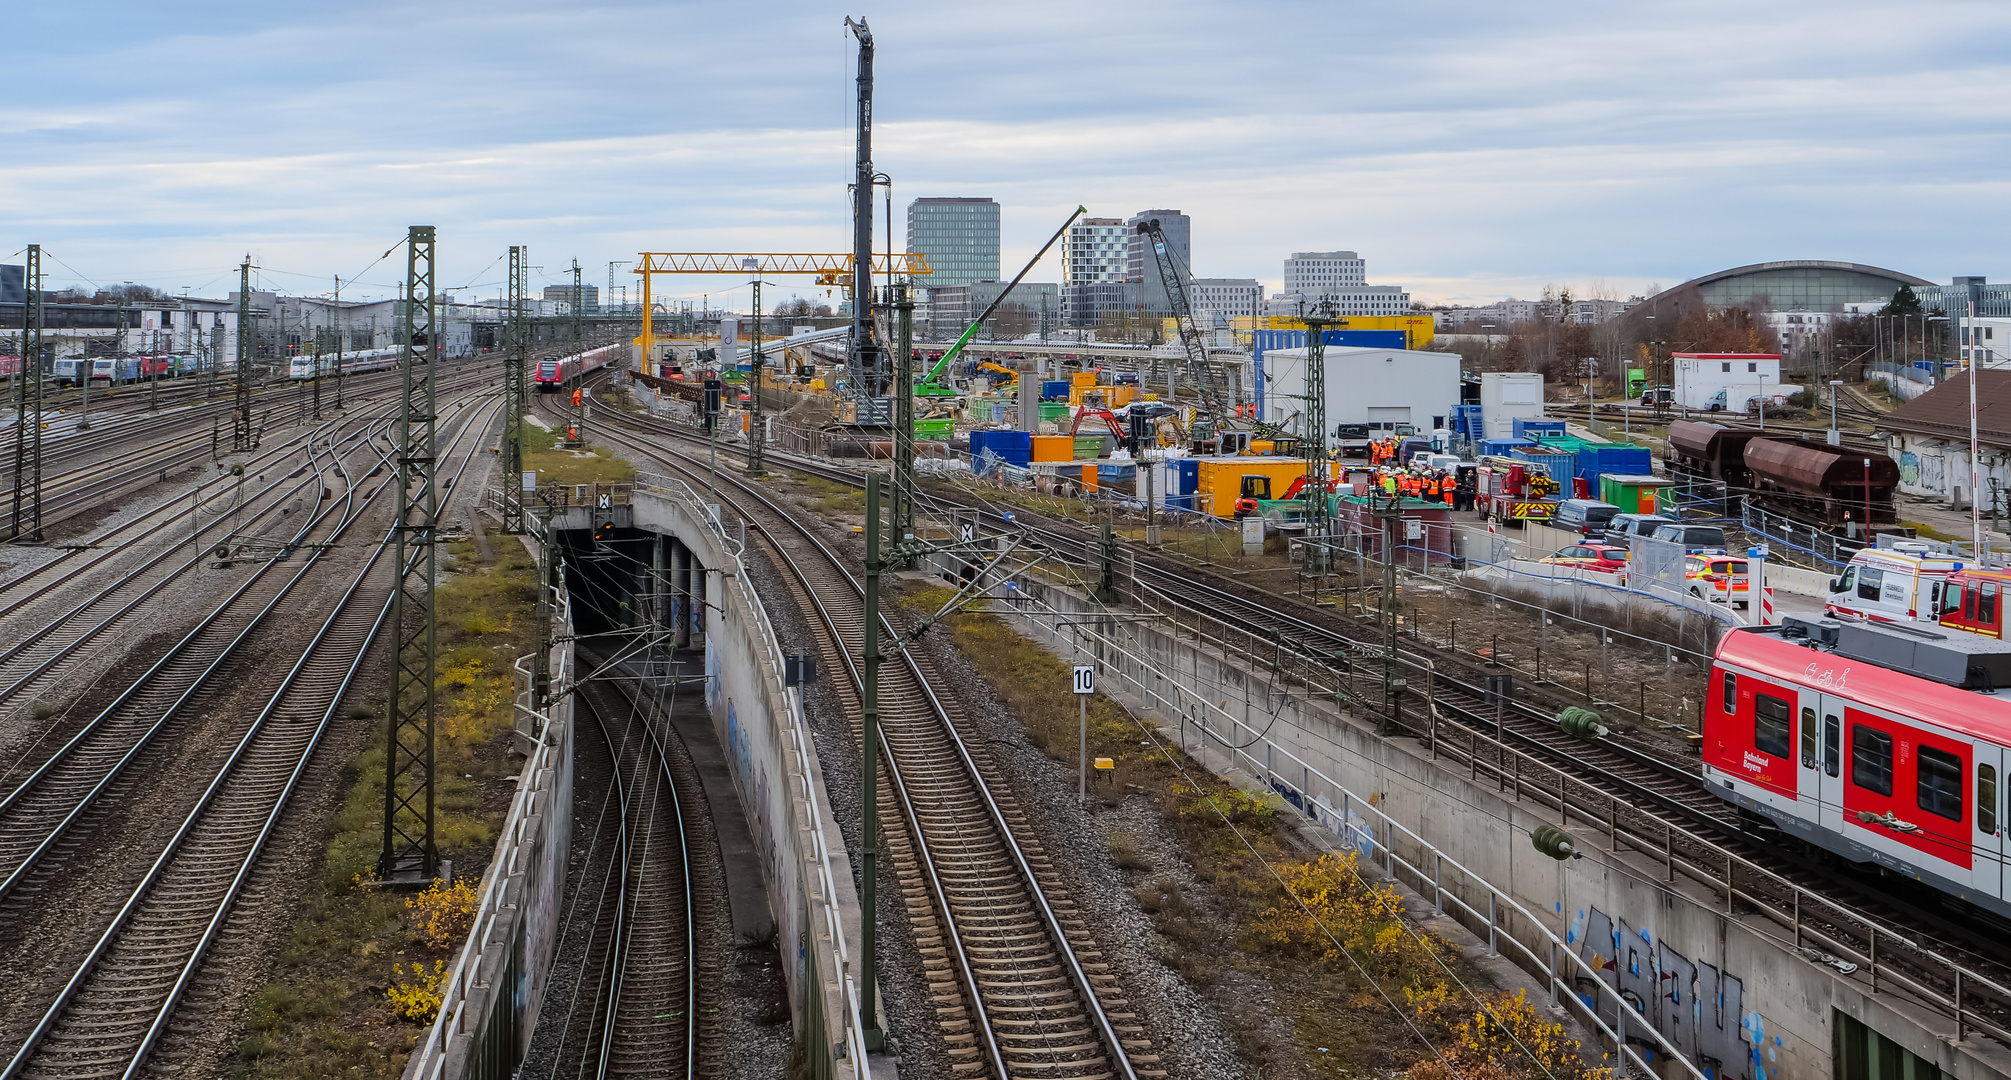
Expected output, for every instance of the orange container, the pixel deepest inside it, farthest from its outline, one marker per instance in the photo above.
(1053, 448)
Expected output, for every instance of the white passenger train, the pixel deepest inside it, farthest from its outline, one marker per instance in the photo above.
(353, 363)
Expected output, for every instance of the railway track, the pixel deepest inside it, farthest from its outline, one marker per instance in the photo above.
(650, 1013)
(1643, 801)
(119, 1001)
(1020, 987)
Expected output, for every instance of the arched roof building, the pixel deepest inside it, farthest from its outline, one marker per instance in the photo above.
(1791, 285)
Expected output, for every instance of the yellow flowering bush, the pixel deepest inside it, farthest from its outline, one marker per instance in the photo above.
(442, 917)
(418, 1000)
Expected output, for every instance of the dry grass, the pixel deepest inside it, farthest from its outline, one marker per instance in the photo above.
(1332, 948)
(329, 1010)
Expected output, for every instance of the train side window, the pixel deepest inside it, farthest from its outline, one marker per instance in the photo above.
(1871, 759)
(1938, 783)
(1773, 725)
(1729, 695)
(1811, 740)
(1986, 798)
(1869, 581)
(1986, 603)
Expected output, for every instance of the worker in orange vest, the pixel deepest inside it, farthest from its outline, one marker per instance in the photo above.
(576, 397)
(1431, 488)
(1450, 486)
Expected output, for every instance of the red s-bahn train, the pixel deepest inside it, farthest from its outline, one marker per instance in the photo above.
(1881, 743)
(553, 375)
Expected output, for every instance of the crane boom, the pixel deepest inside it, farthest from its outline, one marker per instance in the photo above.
(929, 386)
(1208, 380)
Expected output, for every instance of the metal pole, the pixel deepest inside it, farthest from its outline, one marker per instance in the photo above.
(1082, 751)
(516, 367)
(1975, 508)
(341, 328)
(869, 756)
(410, 853)
(26, 523)
(861, 352)
(241, 436)
(754, 435)
(904, 411)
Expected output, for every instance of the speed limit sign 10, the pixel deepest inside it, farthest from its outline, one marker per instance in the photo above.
(1085, 679)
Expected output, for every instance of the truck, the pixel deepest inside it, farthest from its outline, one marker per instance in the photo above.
(1511, 490)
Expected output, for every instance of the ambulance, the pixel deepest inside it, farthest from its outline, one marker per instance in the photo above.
(1901, 583)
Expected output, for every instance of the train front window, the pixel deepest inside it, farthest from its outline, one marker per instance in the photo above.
(1871, 759)
(1986, 603)
(1938, 788)
(1986, 798)
(1773, 725)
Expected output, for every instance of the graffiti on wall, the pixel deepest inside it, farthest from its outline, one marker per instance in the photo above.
(1698, 1008)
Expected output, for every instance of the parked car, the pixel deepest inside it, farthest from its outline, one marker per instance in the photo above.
(1607, 558)
(1625, 527)
(1696, 539)
(1717, 578)
(1657, 395)
(1586, 517)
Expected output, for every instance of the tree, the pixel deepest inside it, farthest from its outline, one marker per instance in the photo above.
(1904, 302)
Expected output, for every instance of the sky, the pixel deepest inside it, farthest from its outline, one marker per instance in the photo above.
(1469, 151)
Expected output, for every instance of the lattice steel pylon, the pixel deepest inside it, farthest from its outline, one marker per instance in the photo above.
(1319, 535)
(242, 435)
(27, 520)
(410, 854)
(516, 386)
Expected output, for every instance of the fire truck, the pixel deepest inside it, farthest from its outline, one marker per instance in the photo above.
(1511, 490)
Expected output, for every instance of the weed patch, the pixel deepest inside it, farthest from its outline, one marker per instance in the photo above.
(359, 973)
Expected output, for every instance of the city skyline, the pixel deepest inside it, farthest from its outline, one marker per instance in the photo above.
(1471, 157)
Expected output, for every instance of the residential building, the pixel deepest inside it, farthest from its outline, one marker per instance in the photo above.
(1229, 297)
(1095, 250)
(959, 237)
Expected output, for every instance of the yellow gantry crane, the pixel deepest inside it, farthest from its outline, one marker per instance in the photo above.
(832, 270)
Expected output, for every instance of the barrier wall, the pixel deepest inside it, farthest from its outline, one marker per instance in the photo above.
(493, 994)
(775, 767)
(1639, 943)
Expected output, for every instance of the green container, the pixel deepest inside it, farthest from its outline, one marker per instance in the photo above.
(933, 429)
(1053, 410)
(1090, 447)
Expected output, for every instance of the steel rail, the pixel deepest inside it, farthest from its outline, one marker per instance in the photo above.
(1119, 1057)
(206, 802)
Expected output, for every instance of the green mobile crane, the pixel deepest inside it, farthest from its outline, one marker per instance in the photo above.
(929, 387)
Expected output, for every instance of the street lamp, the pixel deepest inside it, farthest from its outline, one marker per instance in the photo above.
(1834, 386)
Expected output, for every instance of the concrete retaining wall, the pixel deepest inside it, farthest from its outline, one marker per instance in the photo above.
(774, 765)
(1733, 995)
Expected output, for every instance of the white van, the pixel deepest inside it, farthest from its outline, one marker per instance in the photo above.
(1897, 584)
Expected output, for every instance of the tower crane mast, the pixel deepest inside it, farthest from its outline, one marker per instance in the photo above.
(1210, 383)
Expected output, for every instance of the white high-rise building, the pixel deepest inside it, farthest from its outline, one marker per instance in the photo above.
(1335, 278)
(1096, 250)
(1226, 296)
(1323, 271)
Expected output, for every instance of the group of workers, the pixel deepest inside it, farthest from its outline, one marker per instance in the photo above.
(1427, 485)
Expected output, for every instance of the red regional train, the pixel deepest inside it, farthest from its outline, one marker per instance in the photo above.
(553, 375)
(1882, 743)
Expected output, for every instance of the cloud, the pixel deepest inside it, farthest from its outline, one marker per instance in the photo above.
(1468, 151)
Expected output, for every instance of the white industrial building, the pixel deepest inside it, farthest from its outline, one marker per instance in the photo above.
(1378, 387)
(1729, 380)
(1506, 396)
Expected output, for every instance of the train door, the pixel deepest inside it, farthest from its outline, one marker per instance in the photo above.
(1988, 791)
(1808, 757)
(1829, 766)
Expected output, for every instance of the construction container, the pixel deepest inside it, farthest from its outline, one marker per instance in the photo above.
(1633, 494)
(1010, 447)
(1053, 448)
(1182, 474)
(1091, 447)
(1120, 396)
(1559, 465)
(1595, 459)
(1501, 447)
(1054, 390)
(1219, 481)
(1082, 378)
(933, 429)
(1531, 427)
(1053, 411)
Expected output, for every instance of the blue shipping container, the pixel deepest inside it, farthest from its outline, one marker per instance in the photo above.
(1529, 427)
(1186, 477)
(1501, 447)
(1012, 447)
(1054, 390)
